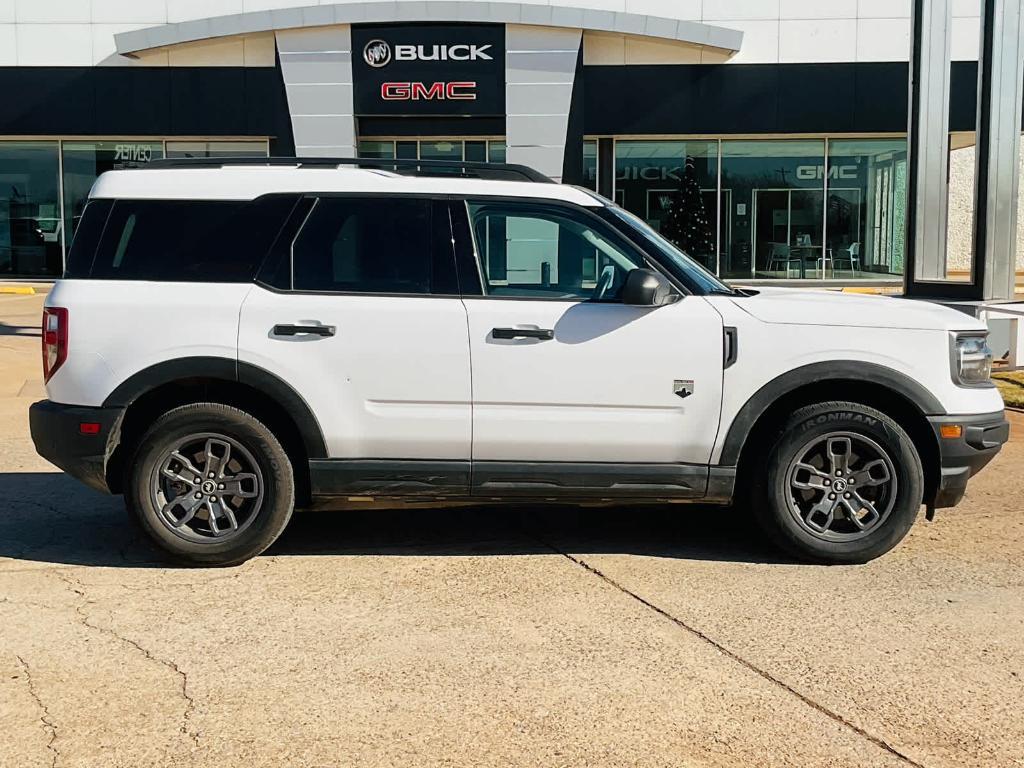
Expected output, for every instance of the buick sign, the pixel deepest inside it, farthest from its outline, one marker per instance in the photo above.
(428, 70)
(377, 53)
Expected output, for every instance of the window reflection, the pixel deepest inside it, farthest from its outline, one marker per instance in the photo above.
(787, 211)
(774, 193)
(31, 231)
(590, 165)
(183, 149)
(84, 161)
(672, 185)
(867, 192)
(457, 150)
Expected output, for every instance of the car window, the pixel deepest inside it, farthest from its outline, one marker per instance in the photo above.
(365, 245)
(87, 238)
(205, 241)
(529, 250)
(691, 272)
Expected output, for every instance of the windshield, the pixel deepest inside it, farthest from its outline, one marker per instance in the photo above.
(691, 270)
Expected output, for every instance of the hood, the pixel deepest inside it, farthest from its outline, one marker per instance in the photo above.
(801, 306)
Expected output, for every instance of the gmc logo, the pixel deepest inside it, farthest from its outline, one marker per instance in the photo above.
(455, 91)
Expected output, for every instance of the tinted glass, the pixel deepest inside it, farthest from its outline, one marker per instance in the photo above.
(87, 238)
(188, 240)
(866, 211)
(217, 149)
(528, 250)
(672, 186)
(365, 246)
(84, 161)
(773, 210)
(30, 225)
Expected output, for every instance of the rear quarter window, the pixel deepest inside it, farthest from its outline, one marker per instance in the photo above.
(205, 241)
(88, 231)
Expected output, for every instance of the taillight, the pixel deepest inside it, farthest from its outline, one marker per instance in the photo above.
(55, 340)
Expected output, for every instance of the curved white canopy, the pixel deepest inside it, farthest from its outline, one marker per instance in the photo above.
(412, 11)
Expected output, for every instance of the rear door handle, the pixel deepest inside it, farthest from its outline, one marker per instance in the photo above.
(544, 334)
(296, 330)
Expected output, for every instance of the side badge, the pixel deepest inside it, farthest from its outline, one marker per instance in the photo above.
(682, 388)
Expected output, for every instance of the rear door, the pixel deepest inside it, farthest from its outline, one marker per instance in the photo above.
(358, 310)
(563, 372)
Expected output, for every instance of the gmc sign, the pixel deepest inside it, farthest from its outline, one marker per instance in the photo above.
(417, 91)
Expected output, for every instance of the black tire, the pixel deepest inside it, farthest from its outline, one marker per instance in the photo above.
(271, 475)
(873, 518)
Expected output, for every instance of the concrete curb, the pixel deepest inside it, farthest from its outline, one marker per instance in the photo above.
(20, 290)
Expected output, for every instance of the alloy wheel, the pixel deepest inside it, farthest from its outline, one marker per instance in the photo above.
(207, 488)
(841, 486)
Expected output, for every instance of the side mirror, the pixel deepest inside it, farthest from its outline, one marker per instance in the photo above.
(646, 288)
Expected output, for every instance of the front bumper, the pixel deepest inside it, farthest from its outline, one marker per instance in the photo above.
(963, 457)
(57, 434)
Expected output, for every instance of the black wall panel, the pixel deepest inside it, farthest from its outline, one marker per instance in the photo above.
(664, 99)
(762, 98)
(159, 101)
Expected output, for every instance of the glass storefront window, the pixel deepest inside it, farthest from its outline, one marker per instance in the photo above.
(672, 185)
(84, 161)
(377, 150)
(475, 151)
(497, 152)
(472, 150)
(441, 150)
(590, 164)
(182, 149)
(867, 202)
(30, 223)
(772, 201)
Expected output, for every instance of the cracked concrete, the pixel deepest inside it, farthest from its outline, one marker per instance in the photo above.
(44, 713)
(190, 704)
(743, 662)
(492, 636)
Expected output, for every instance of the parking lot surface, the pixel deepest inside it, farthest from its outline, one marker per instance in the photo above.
(483, 636)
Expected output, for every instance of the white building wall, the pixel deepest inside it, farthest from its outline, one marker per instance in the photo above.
(80, 32)
(959, 231)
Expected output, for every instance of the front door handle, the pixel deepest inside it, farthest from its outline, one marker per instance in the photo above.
(296, 330)
(545, 334)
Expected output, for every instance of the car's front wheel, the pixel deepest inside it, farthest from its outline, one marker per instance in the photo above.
(843, 484)
(210, 485)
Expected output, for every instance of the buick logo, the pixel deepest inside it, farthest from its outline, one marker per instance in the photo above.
(377, 53)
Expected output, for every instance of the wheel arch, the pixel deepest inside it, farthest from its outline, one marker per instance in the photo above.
(155, 390)
(893, 393)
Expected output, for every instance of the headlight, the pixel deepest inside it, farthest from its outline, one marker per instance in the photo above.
(972, 360)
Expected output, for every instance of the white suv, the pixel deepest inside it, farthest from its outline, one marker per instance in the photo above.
(232, 340)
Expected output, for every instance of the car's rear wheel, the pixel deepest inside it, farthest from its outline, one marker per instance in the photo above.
(843, 484)
(210, 485)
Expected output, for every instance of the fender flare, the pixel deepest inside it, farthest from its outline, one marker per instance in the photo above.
(229, 370)
(838, 370)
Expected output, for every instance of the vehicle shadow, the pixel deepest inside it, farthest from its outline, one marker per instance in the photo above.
(51, 518)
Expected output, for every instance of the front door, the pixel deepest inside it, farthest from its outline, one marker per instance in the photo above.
(367, 326)
(562, 370)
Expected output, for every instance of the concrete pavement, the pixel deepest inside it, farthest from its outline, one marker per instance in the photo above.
(497, 636)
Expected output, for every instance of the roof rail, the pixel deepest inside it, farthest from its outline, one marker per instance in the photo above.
(495, 171)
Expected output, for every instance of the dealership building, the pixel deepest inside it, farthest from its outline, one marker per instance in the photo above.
(766, 137)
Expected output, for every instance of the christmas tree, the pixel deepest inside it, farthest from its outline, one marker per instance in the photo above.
(686, 222)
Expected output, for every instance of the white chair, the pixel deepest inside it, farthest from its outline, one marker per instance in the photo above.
(851, 257)
(825, 261)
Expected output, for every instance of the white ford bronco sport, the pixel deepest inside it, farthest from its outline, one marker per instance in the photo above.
(235, 339)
